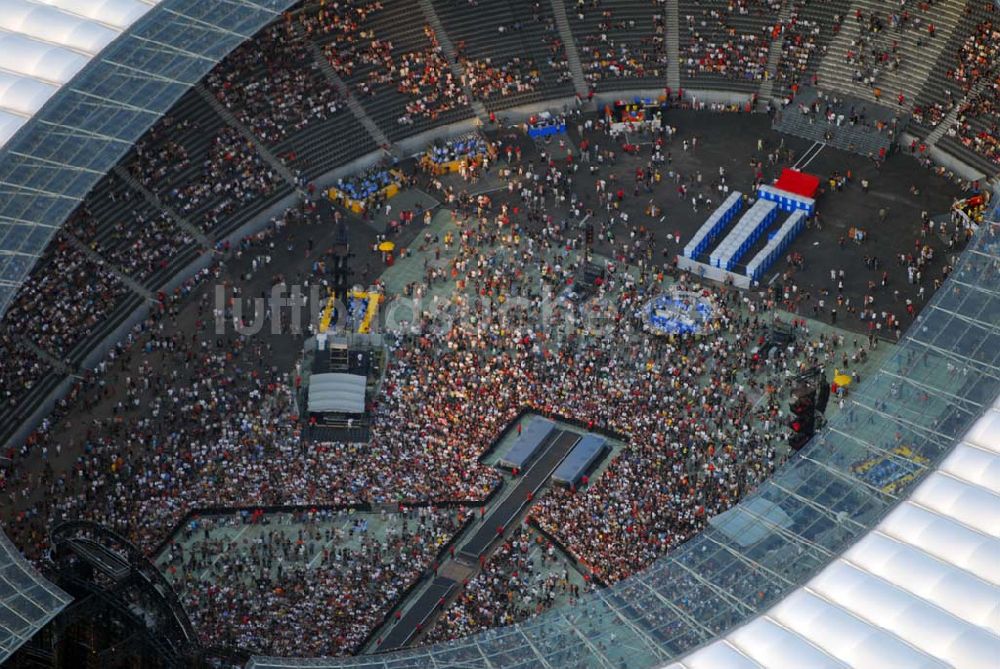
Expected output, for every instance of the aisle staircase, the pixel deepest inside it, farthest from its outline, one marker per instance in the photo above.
(345, 92)
(952, 116)
(836, 74)
(451, 55)
(51, 360)
(109, 267)
(674, 44)
(860, 140)
(569, 44)
(766, 90)
(158, 205)
(279, 167)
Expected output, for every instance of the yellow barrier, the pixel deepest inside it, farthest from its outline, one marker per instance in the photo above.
(324, 321)
(358, 206)
(373, 302)
(428, 164)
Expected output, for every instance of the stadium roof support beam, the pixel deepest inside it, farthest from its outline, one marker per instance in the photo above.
(979, 365)
(692, 622)
(973, 407)
(534, 649)
(640, 634)
(486, 660)
(989, 327)
(604, 661)
(722, 592)
(750, 562)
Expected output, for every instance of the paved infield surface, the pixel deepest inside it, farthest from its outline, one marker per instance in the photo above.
(727, 140)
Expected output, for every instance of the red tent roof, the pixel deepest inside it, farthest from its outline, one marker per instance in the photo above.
(798, 183)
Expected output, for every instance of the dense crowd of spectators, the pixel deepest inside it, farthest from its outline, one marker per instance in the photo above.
(181, 416)
(976, 126)
(67, 300)
(805, 38)
(274, 85)
(20, 371)
(425, 77)
(140, 242)
(370, 61)
(977, 72)
(524, 577)
(977, 56)
(344, 24)
(322, 570)
(233, 174)
(489, 80)
(212, 182)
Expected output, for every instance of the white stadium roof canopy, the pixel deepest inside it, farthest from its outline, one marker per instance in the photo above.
(921, 589)
(45, 43)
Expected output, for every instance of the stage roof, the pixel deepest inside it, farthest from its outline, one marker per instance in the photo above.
(335, 392)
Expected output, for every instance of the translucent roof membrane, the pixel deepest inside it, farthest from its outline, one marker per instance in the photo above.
(921, 589)
(830, 577)
(27, 600)
(44, 44)
(101, 88)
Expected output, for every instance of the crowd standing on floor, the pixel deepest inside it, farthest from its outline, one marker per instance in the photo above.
(197, 419)
(524, 577)
(322, 570)
(178, 416)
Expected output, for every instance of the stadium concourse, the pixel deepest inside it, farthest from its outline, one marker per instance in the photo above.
(134, 398)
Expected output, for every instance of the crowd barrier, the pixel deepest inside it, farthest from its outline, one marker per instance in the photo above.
(536, 131)
(717, 222)
(747, 231)
(433, 163)
(776, 245)
(358, 206)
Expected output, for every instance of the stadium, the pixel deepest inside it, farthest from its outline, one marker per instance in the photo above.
(499, 333)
